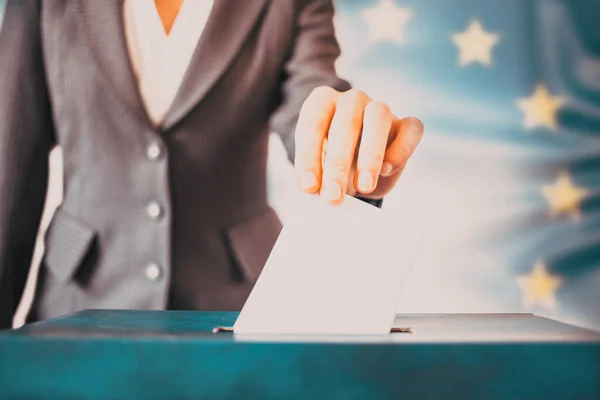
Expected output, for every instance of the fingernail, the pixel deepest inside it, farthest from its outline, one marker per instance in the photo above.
(366, 181)
(333, 191)
(386, 169)
(308, 180)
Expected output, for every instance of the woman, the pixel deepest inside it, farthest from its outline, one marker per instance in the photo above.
(163, 110)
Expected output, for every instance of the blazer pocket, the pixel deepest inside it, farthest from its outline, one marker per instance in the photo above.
(251, 243)
(68, 241)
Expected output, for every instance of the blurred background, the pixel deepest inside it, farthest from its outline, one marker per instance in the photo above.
(506, 180)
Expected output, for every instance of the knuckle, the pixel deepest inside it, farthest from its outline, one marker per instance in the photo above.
(378, 109)
(405, 152)
(416, 124)
(314, 109)
(371, 160)
(321, 124)
(376, 159)
(313, 123)
(353, 97)
(337, 167)
(313, 104)
(322, 92)
(401, 155)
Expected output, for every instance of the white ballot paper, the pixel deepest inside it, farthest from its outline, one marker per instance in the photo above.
(334, 270)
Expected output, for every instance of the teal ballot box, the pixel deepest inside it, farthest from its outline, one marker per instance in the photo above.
(179, 354)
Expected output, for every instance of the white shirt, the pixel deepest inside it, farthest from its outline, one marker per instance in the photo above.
(159, 60)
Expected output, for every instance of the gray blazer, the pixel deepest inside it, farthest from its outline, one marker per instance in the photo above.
(175, 217)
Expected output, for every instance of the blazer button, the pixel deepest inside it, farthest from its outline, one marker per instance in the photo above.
(153, 151)
(153, 272)
(154, 210)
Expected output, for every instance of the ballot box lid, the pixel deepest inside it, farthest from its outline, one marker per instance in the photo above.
(175, 354)
(407, 328)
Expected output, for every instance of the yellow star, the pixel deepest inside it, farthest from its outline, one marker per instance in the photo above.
(541, 108)
(539, 287)
(564, 197)
(475, 44)
(386, 21)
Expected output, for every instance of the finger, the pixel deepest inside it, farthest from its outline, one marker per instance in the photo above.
(407, 134)
(311, 130)
(344, 133)
(377, 123)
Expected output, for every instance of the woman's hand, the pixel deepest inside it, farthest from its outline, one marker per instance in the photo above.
(347, 143)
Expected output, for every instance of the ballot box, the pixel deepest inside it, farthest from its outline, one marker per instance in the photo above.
(173, 354)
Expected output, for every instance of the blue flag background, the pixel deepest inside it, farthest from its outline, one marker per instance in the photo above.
(509, 171)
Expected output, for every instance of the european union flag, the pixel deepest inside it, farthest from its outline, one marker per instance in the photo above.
(509, 171)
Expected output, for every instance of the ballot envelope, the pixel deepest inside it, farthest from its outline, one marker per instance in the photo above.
(101, 354)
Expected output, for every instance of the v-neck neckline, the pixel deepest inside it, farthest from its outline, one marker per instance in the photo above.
(157, 25)
(161, 23)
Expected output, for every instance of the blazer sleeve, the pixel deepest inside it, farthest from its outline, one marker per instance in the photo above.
(310, 65)
(26, 138)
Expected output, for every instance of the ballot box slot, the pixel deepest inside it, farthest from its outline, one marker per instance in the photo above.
(223, 329)
(401, 330)
(229, 329)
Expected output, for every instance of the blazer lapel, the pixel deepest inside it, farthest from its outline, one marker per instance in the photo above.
(227, 27)
(105, 28)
